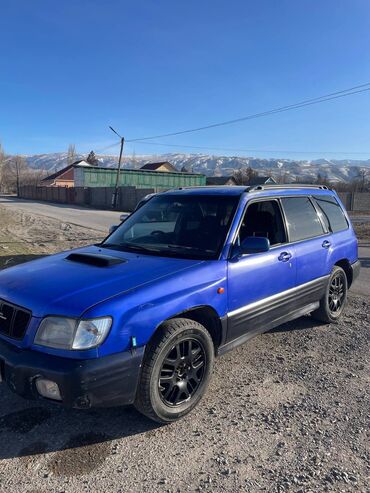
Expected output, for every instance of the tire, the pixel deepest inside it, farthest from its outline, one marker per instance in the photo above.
(335, 298)
(176, 370)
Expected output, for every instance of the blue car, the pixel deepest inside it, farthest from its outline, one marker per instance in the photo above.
(139, 318)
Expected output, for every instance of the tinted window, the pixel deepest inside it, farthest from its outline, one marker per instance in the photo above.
(263, 219)
(332, 213)
(302, 219)
(193, 226)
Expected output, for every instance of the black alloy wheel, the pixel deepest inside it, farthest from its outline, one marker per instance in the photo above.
(335, 298)
(182, 372)
(176, 370)
(337, 292)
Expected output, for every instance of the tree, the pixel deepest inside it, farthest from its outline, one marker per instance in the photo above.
(322, 180)
(13, 172)
(71, 156)
(362, 177)
(244, 176)
(92, 159)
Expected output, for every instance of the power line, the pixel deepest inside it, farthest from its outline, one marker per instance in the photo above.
(308, 102)
(110, 146)
(243, 149)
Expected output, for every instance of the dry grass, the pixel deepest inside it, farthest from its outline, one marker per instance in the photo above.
(362, 230)
(25, 237)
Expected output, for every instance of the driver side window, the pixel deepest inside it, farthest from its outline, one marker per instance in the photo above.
(263, 219)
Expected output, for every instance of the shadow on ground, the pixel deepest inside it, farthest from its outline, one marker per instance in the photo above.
(303, 323)
(80, 440)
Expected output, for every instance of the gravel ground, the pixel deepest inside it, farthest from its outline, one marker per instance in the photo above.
(286, 412)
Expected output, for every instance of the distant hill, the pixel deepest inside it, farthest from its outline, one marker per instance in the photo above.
(333, 170)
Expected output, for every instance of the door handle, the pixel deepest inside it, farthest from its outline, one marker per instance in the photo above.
(326, 244)
(285, 256)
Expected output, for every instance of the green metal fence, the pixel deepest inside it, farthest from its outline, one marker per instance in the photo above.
(103, 177)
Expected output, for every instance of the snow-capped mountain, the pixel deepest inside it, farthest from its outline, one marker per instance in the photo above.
(333, 170)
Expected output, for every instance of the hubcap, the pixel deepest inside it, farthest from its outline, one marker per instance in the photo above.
(182, 372)
(336, 293)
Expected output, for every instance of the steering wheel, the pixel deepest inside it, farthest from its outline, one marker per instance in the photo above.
(157, 232)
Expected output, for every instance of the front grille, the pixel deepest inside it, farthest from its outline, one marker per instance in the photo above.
(14, 320)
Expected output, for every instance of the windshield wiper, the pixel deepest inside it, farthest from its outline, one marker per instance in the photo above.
(185, 247)
(131, 247)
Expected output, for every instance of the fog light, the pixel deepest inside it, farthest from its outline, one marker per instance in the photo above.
(48, 389)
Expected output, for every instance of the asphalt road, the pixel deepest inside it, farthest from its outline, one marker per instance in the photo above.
(80, 216)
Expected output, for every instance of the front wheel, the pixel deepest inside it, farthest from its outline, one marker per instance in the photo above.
(335, 298)
(176, 370)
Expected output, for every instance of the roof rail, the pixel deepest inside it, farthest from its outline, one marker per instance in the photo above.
(289, 186)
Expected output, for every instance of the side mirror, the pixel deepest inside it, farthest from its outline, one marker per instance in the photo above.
(113, 228)
(123, 217)
(253, 244)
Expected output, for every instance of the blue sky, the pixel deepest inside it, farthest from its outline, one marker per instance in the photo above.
(71, 68)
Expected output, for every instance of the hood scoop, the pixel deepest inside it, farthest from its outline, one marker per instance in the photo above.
(97, 260)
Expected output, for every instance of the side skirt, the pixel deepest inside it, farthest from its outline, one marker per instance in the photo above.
(267, 326)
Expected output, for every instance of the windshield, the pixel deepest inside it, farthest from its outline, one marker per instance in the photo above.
(190, 226)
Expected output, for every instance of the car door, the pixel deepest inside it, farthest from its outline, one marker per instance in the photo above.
(312, 244)
(259, 283)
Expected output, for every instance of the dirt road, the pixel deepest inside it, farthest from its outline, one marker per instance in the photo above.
(287, 412)
(99, 220)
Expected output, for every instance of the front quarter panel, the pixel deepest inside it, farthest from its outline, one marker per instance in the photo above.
(139, 313)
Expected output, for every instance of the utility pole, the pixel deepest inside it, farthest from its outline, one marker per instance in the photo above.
(115, 193)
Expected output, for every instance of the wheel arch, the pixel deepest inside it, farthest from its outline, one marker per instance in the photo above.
(346, 266)
(204, 315)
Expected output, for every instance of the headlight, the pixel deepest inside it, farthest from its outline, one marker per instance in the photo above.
(68, 333)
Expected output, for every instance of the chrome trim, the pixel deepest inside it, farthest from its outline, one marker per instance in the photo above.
(256, 304)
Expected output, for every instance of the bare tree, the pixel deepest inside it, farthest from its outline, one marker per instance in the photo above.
(13, 172)
(322, 180)
(363, 175)
(71, 156)
(244, 176)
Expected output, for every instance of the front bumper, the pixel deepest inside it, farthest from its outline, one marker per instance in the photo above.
(108, 381)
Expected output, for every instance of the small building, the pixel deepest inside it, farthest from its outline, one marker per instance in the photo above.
(64, 177)
(163, 166)
(140, 178)
(220, 180)
(262, 180)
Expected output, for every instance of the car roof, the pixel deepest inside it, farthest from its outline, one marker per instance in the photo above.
(207, 190)
(263, 190)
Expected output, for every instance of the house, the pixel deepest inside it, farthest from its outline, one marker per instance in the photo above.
(65, 177)
(161, 166)
(220, 180)
(262, 180)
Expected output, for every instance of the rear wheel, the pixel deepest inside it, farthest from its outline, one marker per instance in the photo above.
(333, 302)
(176, 370)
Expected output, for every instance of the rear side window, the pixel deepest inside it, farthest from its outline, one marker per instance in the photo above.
(332, 213)
(302, 219)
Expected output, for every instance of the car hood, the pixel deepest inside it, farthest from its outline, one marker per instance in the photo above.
(56, 285)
